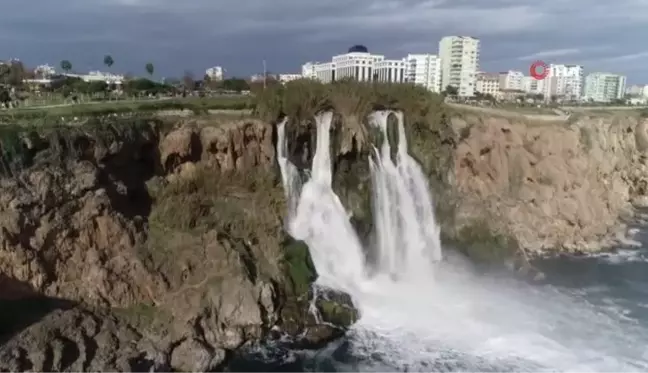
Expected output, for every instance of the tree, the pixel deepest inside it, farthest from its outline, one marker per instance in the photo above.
(189, 81)
(150, 69)
(5, 69)
(5, 97)
(451, 90)
(99, 86)
(235, 84)
(108, 61)
(12, 73)
(66, 66)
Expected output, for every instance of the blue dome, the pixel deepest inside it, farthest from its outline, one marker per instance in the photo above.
(358, 48)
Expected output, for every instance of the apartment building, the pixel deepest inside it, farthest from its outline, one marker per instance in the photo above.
(424, 70)
(459, 63)
(533, 85)
(511, 80)
(636, 90)
(564, 81)
(488, 83)
(604, 87)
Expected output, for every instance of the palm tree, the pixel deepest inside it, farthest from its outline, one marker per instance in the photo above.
(66, 65)
(150, 68)
(108, 61)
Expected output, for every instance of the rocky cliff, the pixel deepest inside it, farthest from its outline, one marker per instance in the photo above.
(149, 245)
(553, 186)
(152, 244)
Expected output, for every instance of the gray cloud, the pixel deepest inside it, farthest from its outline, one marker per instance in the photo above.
(238, 34)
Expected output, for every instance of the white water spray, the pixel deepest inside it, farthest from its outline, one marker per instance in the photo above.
(322, 222)
(289, 174)
(408, 236)
(454, 320)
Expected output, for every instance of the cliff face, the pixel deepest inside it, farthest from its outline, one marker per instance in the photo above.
(160, 246)
(165, 246)
(552, 186)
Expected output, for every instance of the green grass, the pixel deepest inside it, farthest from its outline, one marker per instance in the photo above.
(197, 105)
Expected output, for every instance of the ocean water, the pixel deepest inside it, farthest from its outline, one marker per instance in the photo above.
(424, 308)
(591, 314)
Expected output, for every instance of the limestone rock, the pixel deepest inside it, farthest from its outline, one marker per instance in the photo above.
(550, 185)
(78, 340)
(156, 275)
(194, 356)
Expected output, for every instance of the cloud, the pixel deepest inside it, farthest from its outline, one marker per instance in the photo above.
(196, 34)
(550, 53)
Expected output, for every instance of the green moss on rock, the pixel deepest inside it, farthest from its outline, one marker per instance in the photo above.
(337, 313)
(299, 266)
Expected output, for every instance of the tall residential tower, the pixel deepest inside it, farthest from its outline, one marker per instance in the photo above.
(459, 63)
(604, 87)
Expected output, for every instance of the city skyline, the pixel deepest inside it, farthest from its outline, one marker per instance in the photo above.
(239, 35)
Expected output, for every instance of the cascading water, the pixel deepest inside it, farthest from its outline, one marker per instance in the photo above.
(322, 222)
(289, 173)
(411, 320)
(407, 234)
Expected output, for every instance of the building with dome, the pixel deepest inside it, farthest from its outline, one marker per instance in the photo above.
(358, 64)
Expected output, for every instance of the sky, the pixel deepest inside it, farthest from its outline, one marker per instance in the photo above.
(192, 35)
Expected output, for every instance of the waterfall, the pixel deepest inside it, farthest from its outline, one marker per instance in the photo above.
(322, 222)
(290, 177)
(416, 316)
(407, 234)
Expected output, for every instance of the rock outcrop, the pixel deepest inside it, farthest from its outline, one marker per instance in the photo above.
(165, 245)
(552, 186)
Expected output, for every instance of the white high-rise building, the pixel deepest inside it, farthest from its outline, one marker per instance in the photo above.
(459, 63)
(424, 70)
(215, 73)
(564, 81)
(604, 87)
(511, 80)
